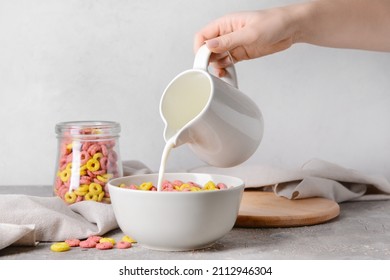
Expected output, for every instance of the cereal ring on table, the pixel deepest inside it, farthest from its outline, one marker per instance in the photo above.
(60, 247)
(127, 238)
(87, 244)
(93, 164)
(70, 197)
(94, 238)
(123, 245)
(97, 156)
(95, 188)
(107, 239)
(104, 246)
(73, 242)
(89, 196)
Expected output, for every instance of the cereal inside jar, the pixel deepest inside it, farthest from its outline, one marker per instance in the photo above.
(88, 157)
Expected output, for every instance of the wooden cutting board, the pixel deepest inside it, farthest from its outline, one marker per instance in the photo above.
(265, 209)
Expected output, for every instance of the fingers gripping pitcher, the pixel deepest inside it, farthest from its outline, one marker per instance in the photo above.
(220, 124)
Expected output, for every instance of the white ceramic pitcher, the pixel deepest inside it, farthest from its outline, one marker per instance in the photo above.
(221, 125)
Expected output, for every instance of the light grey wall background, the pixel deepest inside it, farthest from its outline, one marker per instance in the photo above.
(63, 60)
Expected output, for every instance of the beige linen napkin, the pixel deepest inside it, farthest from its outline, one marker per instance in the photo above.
(26, 220)
(316, 178)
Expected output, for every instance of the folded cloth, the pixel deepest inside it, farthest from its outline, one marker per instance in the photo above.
(316, 178)
(26, 220)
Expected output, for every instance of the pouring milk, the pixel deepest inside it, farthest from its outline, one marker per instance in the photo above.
(222, 126)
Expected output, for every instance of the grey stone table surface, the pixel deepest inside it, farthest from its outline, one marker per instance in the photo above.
(360, 232)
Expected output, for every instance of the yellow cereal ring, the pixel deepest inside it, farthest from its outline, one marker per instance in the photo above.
(64, 175)
(60, 247)
(210, 186)
(70, 197)
(90, 196)
(107, 239)
(195, 189)
(95, 188)
(83, 188)
(185, 186)
(69, 166)
(93, 164)
(79, 191)
(69, 146)
(83, 170)
(102, 179)
(100, 196)
(146, 186)
(127, 238)
(97, 156)
(122, 185)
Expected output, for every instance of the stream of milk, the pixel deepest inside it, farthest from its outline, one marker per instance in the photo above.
(167, 149)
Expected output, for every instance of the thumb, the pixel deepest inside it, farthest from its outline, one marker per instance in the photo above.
(224, 43)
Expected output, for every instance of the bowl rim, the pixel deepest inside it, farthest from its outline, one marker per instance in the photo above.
(111, 183)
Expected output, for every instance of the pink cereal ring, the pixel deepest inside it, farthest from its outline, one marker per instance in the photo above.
(94, 149)
(86, 145)
(222, 186)
(94, 238)
(85, 180)
(103, 162)
(99, 172)
(90, 174)
(84, 157)
(113, 156)
(87, 244)
(177, 183)
(104, 150)
(123, 245)
(73, 242)
(104, 246)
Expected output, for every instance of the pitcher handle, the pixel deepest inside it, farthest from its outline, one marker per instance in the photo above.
(201, 61)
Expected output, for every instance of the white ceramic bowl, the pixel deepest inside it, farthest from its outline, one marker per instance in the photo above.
(176, 221)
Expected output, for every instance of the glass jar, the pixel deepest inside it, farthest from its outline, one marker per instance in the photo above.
(87, 158)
